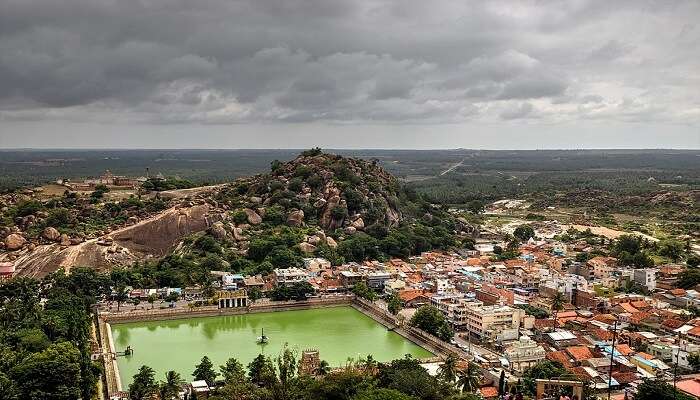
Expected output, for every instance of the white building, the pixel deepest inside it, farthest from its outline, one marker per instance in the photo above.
(524, 353)
(288, 276)
(645, 277)
(497, 323)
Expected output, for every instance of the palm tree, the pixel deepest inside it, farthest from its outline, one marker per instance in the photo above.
(323, 368)
(370, 365)
(170, 389)
(448, 369)
(469, 378)
(558, 302)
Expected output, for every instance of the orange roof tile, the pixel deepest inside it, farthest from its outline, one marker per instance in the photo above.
(645, 356)
(690, 386)
(624, 349)
(410, 294)
(560, 356)
(628, 308)
(602, 334)
(489, 391)
(579, 353)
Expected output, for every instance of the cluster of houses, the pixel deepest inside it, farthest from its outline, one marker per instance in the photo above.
(543, 305)
(490, 304)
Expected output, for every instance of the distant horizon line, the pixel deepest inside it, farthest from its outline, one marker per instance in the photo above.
(337, 148)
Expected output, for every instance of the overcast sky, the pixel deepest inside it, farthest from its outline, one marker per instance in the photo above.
(349, 73)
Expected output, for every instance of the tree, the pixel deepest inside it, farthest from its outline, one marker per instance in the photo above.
(408, 376)
(121, 294)
(8, 388)
(170, 388)
(448, 370)
(287, 368)
(370, 365)
(204, 371)
(558, 302)
(469, 378)
(502, 383)
(382, 394)
(544, 370)
(475, 207)
(152, 300)
(362, 290)
(316, 151)
(672, 249)
(393, 303)
(431, 320)
(62, 360)
(657, 389)
(143, 385)
(524, 233)
(262, 372)
(323, 368)
(254, 294)
(694, 361)
(232, 371)
(689, 278)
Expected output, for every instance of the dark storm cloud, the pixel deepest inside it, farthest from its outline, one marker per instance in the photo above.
(252, 61)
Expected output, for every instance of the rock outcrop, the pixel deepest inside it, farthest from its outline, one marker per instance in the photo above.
(14, 241)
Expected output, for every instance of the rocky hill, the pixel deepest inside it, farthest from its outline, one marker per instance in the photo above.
(319, 204)
(326, 190)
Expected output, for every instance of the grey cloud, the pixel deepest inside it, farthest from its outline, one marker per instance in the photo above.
(379, 61)
(517, 111)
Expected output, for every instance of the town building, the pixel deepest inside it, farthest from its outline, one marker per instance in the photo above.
(289, 276)
(524, 353)
(494, 323)
(232, 299)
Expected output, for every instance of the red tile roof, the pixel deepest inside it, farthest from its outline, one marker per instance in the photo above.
(624, 349)
(560, 356)
(690, 386)
(625, 378)
(628, 308)
(489, 391)
(579, 353)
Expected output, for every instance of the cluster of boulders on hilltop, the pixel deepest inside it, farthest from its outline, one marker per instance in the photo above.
(324, 190)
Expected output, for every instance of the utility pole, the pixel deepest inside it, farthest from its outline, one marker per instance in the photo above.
(612, 358)
(675, 367)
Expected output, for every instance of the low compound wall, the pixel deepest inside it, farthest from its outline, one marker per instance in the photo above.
(213, 311)
(417, 336)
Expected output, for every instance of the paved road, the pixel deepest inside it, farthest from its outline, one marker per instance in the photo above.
(475, 349)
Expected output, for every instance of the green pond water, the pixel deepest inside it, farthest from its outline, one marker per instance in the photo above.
(338, 333)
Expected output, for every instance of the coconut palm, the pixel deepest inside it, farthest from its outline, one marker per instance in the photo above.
(369, 365)
(170, 389)
(323, 368)
(448, 369)
(558, 302)
(469, 378)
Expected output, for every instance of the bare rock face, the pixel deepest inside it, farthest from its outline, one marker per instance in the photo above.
(307, 248)
(350, 230)
(253, 217)
(295, 218)
(65, 240)
(51, 233)
(238, 234)
(358, 224)
(331, 242)
(219, 231)
(314, 240)
(14, 241)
